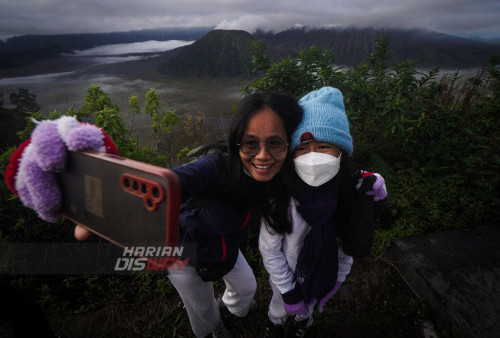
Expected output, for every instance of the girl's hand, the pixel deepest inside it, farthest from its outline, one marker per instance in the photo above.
(294, 303)
(297, 309)
(372, 184)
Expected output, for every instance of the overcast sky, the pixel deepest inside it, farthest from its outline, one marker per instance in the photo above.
(470, 18)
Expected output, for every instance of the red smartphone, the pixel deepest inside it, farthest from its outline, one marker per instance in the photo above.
(127, 202)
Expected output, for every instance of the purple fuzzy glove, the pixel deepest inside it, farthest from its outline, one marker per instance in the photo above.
(48, 147)
(35, 180)
(294, 303)
(328, 296)
(37, 188)
(297, 309)
(373, 184)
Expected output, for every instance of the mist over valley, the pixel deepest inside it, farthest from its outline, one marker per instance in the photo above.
(62, 82)
(200, 71)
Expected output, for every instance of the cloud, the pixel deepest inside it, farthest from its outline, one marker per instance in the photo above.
(43, 78)
(273, 22)
(131, 48)
(92, 16)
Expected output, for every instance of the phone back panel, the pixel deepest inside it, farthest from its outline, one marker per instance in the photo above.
(129, 203)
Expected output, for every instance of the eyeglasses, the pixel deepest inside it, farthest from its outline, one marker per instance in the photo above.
(275, 147)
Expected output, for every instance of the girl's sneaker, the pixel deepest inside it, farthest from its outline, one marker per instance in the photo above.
(298, 328)
(273, 331)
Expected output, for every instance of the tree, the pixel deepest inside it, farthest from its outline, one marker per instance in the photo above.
(24, 101)
(163, 120)
(95, 101)
(109, 119)
(310, 69)
(434, 137)
(135, 109)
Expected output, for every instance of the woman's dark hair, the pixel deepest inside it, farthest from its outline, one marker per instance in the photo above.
(349, 174)
(238, 184)
(237, 188)
(273, 197)
(286, 107)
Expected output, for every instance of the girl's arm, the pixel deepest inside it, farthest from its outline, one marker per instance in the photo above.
(280, 252)
(273, 257)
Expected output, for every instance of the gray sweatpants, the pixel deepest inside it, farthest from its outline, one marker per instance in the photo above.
(199, 300)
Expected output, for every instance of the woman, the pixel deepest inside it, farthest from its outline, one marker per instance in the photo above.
(239, 182)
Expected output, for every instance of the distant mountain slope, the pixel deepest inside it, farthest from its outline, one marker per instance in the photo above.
(21, 50)
(219, 53)
(227, 52)
(495, 41)
(351, 45)
(69, 42)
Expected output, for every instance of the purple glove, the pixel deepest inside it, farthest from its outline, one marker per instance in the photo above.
(297, 309)
(373, 184)
(294, 303)
(38, 189)
(32, 172)
(328, 296)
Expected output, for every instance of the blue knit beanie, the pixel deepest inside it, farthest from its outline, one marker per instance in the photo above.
(324, 120)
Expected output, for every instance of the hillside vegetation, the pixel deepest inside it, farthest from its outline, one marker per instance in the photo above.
(10, 121)
(432, 135)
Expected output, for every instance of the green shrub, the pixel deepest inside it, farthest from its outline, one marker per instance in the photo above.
(432, 135)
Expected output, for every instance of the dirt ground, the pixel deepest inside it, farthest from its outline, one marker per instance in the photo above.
(373, 302)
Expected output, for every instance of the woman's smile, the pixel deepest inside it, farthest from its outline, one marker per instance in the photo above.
(263, 128)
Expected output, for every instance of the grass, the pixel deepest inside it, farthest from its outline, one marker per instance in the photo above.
(373, 302)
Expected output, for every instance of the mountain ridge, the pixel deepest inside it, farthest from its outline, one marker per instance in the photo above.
(352, 45)
(218, 53)
(25, 49)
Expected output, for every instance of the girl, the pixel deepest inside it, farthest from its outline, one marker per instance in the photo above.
(304, 257)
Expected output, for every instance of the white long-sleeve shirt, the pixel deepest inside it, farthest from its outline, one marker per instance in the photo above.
(281, 251)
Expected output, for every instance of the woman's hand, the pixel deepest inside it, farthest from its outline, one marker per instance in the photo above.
(82, 233)
(32, 169)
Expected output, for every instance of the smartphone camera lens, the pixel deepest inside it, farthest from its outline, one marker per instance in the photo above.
(156, 192)
(151, 192)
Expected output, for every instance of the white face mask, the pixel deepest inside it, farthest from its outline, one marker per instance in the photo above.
(317, 168)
